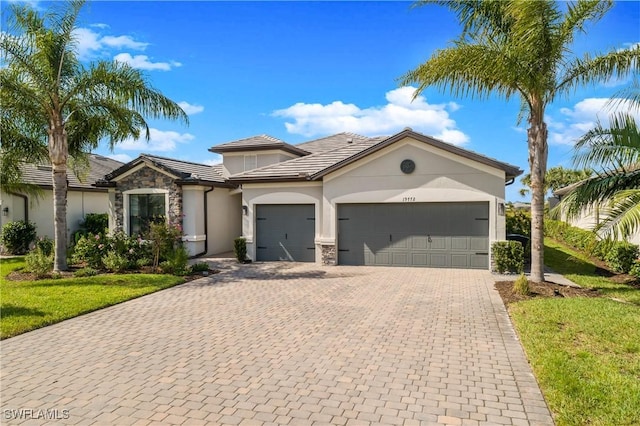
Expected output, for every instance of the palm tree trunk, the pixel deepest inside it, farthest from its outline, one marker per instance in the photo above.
(58, 154)
(537, 134)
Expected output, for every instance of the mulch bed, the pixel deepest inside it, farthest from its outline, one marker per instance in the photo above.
(542, 290)
(28, 276)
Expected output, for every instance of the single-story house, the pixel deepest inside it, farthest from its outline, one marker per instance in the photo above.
(82, 196)
(405, 200)
(589, 218)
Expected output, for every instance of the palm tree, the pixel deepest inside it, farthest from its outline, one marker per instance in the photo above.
(60, 104)
(614, 152)
(522, 48)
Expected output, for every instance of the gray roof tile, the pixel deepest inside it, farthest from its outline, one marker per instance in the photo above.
(334, 141)
(257, 143)
(40, 174)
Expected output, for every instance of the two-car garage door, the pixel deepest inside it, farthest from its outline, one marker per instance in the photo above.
(443, 235)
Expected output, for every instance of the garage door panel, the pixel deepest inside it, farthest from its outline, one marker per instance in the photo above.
(460, 260)
(285, 232)
(416, 234)
(460, 243)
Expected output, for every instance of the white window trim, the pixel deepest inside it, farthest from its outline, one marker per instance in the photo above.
(125, 202)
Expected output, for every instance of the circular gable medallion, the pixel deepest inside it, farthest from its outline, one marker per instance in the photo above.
(407, 166)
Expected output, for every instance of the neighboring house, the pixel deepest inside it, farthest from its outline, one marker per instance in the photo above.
(407, 199)
(82, 196)
(589, 218)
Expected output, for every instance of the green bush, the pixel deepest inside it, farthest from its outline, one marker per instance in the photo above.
(518, 221)
(164, 239)
(602, 248)
(45, 244)
(621, 256)
(17, 236)
(90, 249)
(635, 269)
(521, 286)
(85, 272)
(115, 262)
(200, 267)
(508, 256)
(39, 262)
(240, 249)
(582, 239)
(177, 263)
(96, 223)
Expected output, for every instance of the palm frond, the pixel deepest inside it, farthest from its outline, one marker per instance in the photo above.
(622, 216)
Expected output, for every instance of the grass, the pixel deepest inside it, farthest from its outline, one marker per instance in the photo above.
(28, 305)
(585, 352)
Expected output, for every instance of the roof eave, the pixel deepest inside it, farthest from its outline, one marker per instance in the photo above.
(241, 180)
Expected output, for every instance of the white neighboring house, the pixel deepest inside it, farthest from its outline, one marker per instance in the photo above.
(403, 200)
(82, 196)
(589, 218)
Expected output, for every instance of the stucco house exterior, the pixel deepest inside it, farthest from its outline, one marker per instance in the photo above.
(405, 200)
(82, 196)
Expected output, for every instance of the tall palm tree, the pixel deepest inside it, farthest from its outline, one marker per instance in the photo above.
(614, 152)
(522, 48)
(65, 106)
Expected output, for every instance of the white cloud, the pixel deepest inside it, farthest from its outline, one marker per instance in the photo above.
(124, 158)
(123, 41)
(583, 117)
(160, 141)
(142, 62)
(217, 159)
(100, 25)
(190, 109)
(400, 111)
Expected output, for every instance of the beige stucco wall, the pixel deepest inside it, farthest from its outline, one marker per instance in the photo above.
(233, 162)
(193, 220)
(224, 220)
(279, 193)
(439, 176)
(79, 203)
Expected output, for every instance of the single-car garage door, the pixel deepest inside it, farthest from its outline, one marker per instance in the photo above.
(285, 232)
(444, 235)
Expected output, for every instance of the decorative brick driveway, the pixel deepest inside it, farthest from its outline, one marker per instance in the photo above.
(284, 344)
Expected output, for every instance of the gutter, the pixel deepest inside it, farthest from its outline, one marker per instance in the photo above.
(510, 181)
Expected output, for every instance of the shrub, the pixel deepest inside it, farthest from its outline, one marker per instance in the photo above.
(240, 249)
(17, 236)
(621, 256)
(200, 267)
(115, 262)
(177, 263)
(521, 286)
(96, 223)
(85, 272)
(582, 239)
(508, 256)
(45, 244)
(602, 248)
(39, 262)
(518, 221)
(635, 269)
(164, 239)
(90, 249)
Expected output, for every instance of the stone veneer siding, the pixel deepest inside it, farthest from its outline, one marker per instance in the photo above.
(329, 254)
(149, 178)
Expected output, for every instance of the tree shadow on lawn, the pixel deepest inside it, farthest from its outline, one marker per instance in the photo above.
(9, 310)
(572, 265)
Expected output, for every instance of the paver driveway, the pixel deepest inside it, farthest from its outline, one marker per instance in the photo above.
(285, 344)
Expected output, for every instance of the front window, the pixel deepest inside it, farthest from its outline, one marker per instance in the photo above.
(145, 209)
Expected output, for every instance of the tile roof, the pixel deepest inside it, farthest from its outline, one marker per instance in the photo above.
(40, 174)
(305, 167)
(185, 170)
(257, 143)
(316, 165)
(334, 141)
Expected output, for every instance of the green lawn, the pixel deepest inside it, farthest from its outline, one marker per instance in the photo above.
(585, 352)
(27, 305)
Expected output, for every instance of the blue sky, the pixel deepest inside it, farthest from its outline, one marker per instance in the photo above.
(302, 70)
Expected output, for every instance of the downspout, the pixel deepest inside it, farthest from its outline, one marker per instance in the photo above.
(206, 221)
(509, 182)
